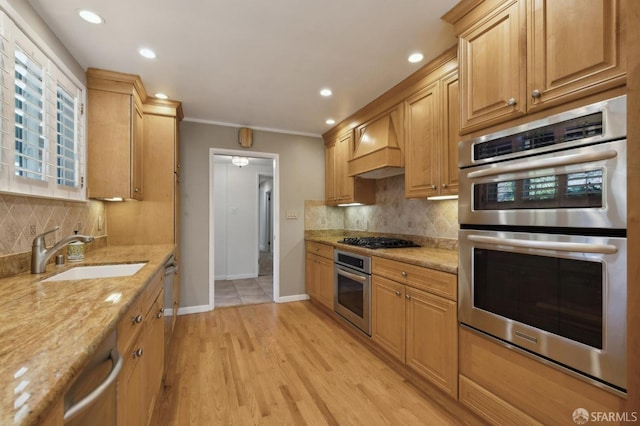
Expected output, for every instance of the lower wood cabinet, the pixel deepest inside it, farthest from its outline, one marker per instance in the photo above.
(418, 327)
(506, 387)
(141, 343)
(319, 273)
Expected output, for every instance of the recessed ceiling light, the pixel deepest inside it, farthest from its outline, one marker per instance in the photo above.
(330, 121)
(326, 92)
(416, 57)
(90, 16)
(161, 96)
(147, 53)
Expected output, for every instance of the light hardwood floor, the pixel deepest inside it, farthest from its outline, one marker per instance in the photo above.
(287, 364)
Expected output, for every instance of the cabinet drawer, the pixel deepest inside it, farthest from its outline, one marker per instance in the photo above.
(490, 407)
(436, 282)
(150, 293)
(323, 250)
(130, 325)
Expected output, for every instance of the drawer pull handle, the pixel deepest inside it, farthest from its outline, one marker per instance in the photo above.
(404, 274)
(138, 353)
(137, 319)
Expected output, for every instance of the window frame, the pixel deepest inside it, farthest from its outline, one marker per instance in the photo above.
(53, 77)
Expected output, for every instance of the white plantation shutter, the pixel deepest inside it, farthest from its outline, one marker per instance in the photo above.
(42, 141)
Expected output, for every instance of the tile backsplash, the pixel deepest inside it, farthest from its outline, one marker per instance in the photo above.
(392, 214)
(19, 214)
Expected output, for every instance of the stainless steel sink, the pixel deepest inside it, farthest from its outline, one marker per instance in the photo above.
(99, 271)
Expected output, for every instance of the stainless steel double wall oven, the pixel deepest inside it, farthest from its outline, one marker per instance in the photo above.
(543, 247)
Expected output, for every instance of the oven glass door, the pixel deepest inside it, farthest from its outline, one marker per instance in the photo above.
(578, 188)
(560, 296)
(352, 296)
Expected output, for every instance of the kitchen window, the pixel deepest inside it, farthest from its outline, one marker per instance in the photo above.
(42, 140)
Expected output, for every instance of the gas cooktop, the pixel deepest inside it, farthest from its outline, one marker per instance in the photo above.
(378, 242)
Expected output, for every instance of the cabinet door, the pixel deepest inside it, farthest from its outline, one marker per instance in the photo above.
(331, 197)
(432, 342)
(388, 315)
(574, 49)
(137, 152)
(310, 274)
(450, 135)
(492, 69)
(324, 281)
(423, 121)
(344, 183)
(154, 353)
(131, 410)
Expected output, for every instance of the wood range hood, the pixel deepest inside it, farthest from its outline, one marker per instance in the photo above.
(378, 147)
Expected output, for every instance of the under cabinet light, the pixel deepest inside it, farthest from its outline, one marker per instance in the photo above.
(350, 204)
(442, 197)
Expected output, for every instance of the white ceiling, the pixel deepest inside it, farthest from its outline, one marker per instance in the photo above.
(258, 63)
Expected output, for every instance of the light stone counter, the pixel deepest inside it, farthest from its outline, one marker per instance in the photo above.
(440, 259)
(48, 331)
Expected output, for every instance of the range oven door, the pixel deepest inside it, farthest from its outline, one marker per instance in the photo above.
(352, 296)
(579, 188)
(562, 297)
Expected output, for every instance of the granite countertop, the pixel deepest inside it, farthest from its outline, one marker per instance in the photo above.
(440, 259)
(49, 331)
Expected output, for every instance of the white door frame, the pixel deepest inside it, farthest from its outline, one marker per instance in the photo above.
(276, 215)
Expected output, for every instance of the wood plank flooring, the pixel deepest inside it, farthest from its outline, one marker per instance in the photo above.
(287, 364)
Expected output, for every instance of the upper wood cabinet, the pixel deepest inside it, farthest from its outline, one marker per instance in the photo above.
(115, 135)
(340, 188)
(521, 56)
(432, 129)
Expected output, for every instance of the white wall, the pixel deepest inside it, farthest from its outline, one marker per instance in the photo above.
(301, 176)
(236, 219)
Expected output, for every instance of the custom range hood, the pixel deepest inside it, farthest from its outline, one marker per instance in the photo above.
(378, 147)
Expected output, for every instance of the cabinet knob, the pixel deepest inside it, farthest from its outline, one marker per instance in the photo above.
(160, 312)
(511, 102)
(444, 185)
(137, 319)
(317, 249)
(536, 94)
(403, 273)
(408, 296)
(138, 353)
(136, 189)
(433, 186)
(398, 293)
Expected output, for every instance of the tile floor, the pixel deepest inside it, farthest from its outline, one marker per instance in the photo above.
(244, 292)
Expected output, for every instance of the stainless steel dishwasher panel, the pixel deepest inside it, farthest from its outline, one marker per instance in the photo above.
(92, 399)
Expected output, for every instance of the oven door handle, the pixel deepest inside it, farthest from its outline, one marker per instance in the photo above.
(565, 160)
(350, 275)
(546, 245)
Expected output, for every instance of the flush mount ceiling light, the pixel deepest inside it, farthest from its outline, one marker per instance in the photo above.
(90, 16)
(161, 96)
(239, 161)
(326, 92)
(330, 121)
(147, 53)
(416, 57)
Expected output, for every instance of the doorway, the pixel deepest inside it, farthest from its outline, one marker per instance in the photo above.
(243, 228)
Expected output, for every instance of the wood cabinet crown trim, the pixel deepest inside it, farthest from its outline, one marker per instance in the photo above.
(165, 107)
(393, 96)
(108, 80)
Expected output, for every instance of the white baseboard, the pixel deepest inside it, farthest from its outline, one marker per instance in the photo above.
(194, 309)
(294, 298)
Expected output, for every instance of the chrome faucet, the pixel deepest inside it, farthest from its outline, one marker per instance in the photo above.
(40, 253)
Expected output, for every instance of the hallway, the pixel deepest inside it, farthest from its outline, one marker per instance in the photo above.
(244, 292)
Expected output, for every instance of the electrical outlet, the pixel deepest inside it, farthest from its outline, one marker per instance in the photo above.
(32, 230)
